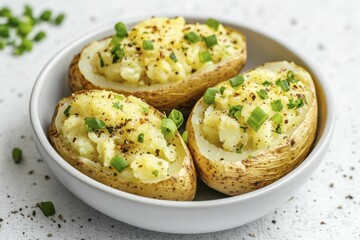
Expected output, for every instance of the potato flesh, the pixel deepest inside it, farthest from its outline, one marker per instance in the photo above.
(101, 146)
(236, 135)
(156, 66)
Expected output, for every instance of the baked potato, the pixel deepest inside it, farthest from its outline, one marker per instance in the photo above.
(122, 142)
(165, 61)
(251, 130)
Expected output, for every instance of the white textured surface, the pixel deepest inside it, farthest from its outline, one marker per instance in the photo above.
(327, 207)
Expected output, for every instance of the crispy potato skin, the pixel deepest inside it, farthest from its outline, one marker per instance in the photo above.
(260, 170)
(181, 95)
(180, 187)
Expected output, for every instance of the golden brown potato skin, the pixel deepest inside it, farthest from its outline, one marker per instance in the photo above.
(260, 170)
(180, 95)
(180, 187)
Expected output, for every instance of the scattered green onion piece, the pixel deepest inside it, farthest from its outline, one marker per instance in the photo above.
(155, 173)
(67, 111)
(177, 117)
(117, 53)
(141, 138)
(235, 111)
(4, 31)
(19, 50)
(46, 15)
(192, 37)
(24, 28)
(237, 80)
(267, 83)
(17, 155)
(257, 118)
(119, 163)
(239, 150)
(222, 90)
(263, 94)
(295, 104)
(115, 40)
(13, 22)
(119, 97)
(102, 63)
(283, 84)
(205, 56)
(290, 77)
(278, 129)
(121, 30)
(93, 124)
(28, 11)
(39, 36)
(59, 19)
(27, 44)
(148, 45)
(277, 119)
(210, 41)
(2, 44)
(185, 136)
(276, 105)
(5, 12)
(213, 23)
(145, 110)
(118, 105)
(173, 57)
(47, 208)
(168, 127)
(209, 96)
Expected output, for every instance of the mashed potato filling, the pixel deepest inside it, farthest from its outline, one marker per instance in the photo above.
(101, 125)
(172, 58)
(283, 97)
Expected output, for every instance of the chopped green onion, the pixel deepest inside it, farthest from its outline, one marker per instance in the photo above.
(155, 173)
(67, 111)
(185, 136)
(141, 138)
(102, 63)
(4, 31)
(205, 56)
(24, 28)
(118, 105)
(237, 80)
(210, 41)
(177, 117)
(28, 11)
(2, 44)
(235, 111)
(263, 94)
(213, 23)
(277, 119)
(17, 155)
(19, 50)
(121, 30)
(13, 21)
(173, 57)
(290, 77)
(115, 40)
(119, 163)
(209, 96)
(46, 15)
(168, 127)
(283, 84)
(39, 36)
(119, 97)
(278, 129)
(59, 19)
(192, 37)
(117, 53)
(222, 90)
(257, 118)
(239, 150)
(5, 12)
(145, 110)
(94, 124)
(47, 208)
(27, 44)
(295, 104)
(148, 45)
(276, 105)
(267, 83)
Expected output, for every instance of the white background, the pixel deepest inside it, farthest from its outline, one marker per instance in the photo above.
(326, 207)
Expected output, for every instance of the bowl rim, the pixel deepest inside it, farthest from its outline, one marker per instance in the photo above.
(43, 140)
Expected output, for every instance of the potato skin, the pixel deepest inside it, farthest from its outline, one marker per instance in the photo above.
(180, 187)
(180, 95)
(260, 170)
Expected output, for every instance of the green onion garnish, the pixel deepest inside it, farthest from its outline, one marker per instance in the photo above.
(184, 136)
(168, 127)
(177, 117)
(117, 53)
(214, 24)
(209, 96)
(155, 173)
(28, 11)
(276, 105)
(13, 21)
(278, 129)
(205, 56)
(237, 80)
(46, 15)
(47, 208)
(173, 57)
(115, 40)
(263, 94)
(277, 119)
(5, 12)
(141, 138)
(145, 110)
(67, 111)
(19, 50)
(102, 63)
(239, 150)
(235, 111)
(210, 41)
(222, 90)
(119, 163)
(118, 105)
(39, 36)
(59, 19)
(192, 37)
(148, 45)
(120, 97)
(24, 28)
(283, 84)
(257, 118)
(27, 44)
(94, 124)
(295, 104)
(17, 155)
(121, 30)
(267, 83)
(4, 31)
(290, 77)
(2, 44)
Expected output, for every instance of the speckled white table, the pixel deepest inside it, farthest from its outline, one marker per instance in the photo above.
(327, 206)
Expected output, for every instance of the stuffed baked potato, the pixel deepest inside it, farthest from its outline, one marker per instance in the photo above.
(248, 132)
(165, 61)
(123, 143)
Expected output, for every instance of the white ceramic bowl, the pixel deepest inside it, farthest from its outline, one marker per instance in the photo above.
(210, 211)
